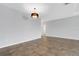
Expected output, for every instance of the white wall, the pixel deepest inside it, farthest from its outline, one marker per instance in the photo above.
(64, 28)
(14, 29)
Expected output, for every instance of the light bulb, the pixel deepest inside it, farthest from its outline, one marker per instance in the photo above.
(34, 17)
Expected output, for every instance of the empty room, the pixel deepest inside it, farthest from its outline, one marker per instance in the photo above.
(39, 29)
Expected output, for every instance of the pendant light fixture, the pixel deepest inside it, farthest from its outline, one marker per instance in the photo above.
(34, 14)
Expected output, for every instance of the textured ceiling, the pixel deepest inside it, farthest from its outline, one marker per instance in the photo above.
(47, 11)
